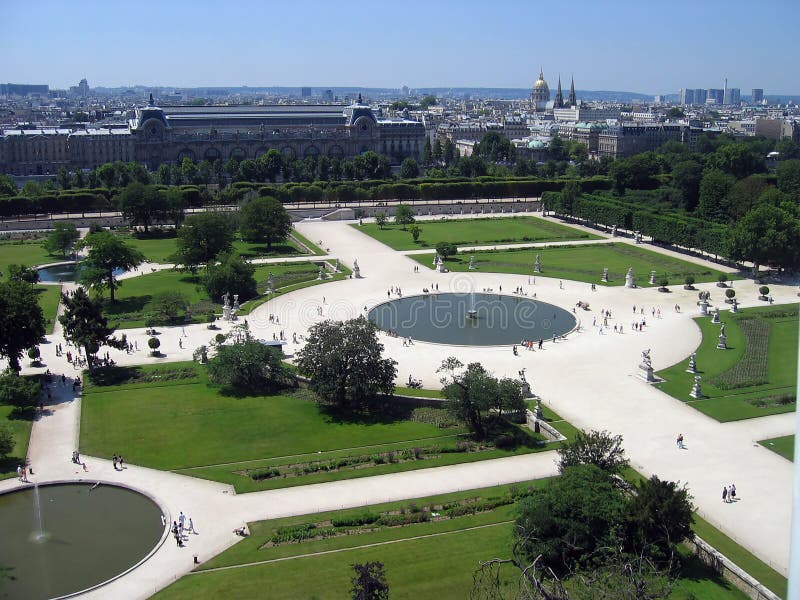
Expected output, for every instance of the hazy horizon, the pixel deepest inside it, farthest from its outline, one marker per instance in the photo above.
(624, 46)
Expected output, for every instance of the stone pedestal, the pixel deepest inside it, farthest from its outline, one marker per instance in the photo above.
(320, 275)
(235, 302)
(696, 391)
(715, 318)
(442, 268)
(435, 260)
(703, 307)
(356, 270)
(637, 237)
(471, 263)
(226, 313)
(722, 343)
(538, 412)
(604, 278)
(336, 267)
(614, 230)
(692, 368)
(271, 282)
(652, 277)
(537, 266)
(734, 306)
(629, 282)
(646, 372)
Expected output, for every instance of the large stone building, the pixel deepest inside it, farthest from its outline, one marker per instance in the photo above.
(168, 135)
(540, 95)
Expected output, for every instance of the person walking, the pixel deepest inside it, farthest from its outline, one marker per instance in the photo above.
(680, 441)
(725, 493)
(732, 492)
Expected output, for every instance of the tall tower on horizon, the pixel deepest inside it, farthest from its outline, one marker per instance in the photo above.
(559, 101)
(540, 95)
(572, 101)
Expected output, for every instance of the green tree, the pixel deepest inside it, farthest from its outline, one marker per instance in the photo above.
(736, 159)
(713, 200)
(686, 177)
(107, 174)
(85, 326)
(264, 220)
(63, 178)
(21, 320)
(7, 186)
(141, 205)
(18, 391)
(403, 215)
(409, 169)
(598, 448)
(427, 102)
(380, 220)
(788, 172)
(230, 275)
(174, 206)
(188, 170)
(446, 249)
(169, 304)
(659, 517)
(249, 367)
(154, 344)
(495, 147)
(22, 273)
(62, 238)
(767, 234)
(427, 152)
(202, 237)
(744, 195)
(469, 394)
(344, 363)
(107, 254)
(369, 582)
(415, 231)
(6, 443)
(675, 113)
(570, 518)
(437, 150)
(570, 193)
(448, 151)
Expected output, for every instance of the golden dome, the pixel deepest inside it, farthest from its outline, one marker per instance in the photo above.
(541, 83)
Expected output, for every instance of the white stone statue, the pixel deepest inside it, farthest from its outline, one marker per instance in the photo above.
(629, 282)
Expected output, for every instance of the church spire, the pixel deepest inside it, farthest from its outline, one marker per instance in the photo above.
(572, 100)
(559, 101)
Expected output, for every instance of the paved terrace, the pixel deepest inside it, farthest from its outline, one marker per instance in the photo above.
(589, 379)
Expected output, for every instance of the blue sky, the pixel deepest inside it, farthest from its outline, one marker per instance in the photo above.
(607, 45)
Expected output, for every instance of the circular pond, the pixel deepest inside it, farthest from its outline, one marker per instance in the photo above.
(477, 319)
(65, 538)
(65, 272)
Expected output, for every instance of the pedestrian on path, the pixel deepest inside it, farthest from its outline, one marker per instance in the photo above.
(19, 472)
(119, 460)
(725, 493)
(114, 460)
(732, 492)
(680, 441)
(191, 526)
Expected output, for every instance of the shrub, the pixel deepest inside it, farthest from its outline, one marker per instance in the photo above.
(763, 290)
(730, 293)
(722, 278)
(663, 282)
(366, 518)
(505, 442)
(154, 344)
(407, 519)
(689, 280)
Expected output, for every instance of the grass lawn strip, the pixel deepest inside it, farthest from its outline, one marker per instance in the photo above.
(781, 445)
(49, 297)
(435, 563)
(20, 426)
(298, 237)
(742, 365)
(583, 263)
(28, 252)
(468, 232)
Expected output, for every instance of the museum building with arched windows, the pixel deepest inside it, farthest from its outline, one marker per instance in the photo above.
(168, 135)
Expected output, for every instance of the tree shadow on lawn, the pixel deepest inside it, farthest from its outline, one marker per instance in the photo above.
(156, 234)
(131, 305)
(261, 250)
(106, 376)
(381, 414)
(692, 569)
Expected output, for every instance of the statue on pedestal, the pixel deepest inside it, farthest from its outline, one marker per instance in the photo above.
(537, 265)
(629, 282)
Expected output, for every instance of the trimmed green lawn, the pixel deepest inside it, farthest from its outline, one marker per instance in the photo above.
(762, 389)
(781, 445)
(583, 263)
(187, 425)
(21, 429)
(130, 305)
(470, 232)
(440, 564)
(24, 253)
(49, 297)
(158, 247)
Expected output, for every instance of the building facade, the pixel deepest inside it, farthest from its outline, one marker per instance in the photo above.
(168, 135)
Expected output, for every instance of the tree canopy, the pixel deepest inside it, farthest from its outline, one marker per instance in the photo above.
(18, 391)
(248, 367)
(264, 220)
(202, 237)
(62, 238)
(85, 326)
(598, 448)
(21, 320)
(142, 205)
(107, 254)
(344, 363)
(404, 215)
(231, 275)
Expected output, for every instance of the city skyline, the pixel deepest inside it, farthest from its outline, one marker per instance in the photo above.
(468, 44)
